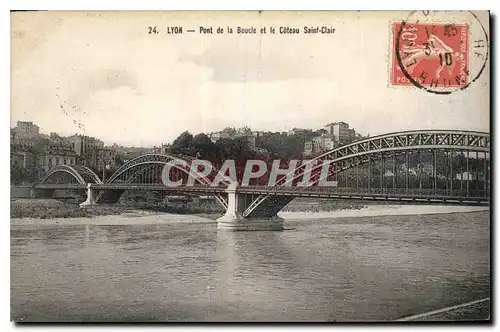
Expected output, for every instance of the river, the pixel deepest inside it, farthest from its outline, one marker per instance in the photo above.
(159, 268)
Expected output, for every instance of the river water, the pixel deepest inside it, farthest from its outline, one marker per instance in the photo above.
(331, 269)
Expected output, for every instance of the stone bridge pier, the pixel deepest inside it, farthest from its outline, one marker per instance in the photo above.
(265, 218)
(91, 196)
(108, 196)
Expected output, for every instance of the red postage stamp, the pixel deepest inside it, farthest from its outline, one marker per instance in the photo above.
(432, 55)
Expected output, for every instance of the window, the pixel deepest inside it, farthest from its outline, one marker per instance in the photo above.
(64, 161)
(57, 161)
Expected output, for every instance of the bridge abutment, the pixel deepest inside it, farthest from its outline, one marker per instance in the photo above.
(233, 219)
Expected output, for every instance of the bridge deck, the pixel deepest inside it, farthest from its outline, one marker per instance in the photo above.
(478, 197)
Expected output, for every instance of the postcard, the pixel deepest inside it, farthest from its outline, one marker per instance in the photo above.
(250, 166)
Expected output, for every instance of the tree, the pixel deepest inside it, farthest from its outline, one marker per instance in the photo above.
(227, 148)
(119, 160)
(203, 147)
(245, 130)
(229, 130)
(243, 151)
(183, 144)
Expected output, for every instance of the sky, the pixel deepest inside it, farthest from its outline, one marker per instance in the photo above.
(103, 75)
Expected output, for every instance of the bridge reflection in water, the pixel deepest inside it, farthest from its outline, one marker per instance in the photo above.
(430, 166)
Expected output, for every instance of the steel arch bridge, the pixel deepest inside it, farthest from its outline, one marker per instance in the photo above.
(143, 170)
(378, 149)
(148, 168)
(419, 165)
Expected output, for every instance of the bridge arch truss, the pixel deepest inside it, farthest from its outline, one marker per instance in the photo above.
(377, 148)
(70, 173)
(148, 168)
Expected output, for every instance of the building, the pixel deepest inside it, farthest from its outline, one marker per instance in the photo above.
(324, 143)
(161, 149)
(54, 150)
(232, 134)
(319, 144)
(22, 144)
(106, 157)
(83, 144)
(22, 159)
(352, 135)
(86, 148)
(26, 130)
(22, 151)
(308, 148)
(26, 136)
(340, 132)
(156, 149)
(128, 153)
(55, 155)
(56, 141)
(329, 143)
(214, 137)
(296, 131)
(37, 153)
(260, 133)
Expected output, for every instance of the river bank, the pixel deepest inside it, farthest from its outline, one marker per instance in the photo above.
(50, 212)
(52, 208)
(54, 212)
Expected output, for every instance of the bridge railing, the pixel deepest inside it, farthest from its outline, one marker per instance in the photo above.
(393, 192)
(406, 191)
